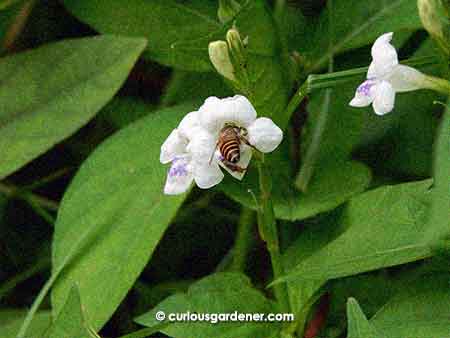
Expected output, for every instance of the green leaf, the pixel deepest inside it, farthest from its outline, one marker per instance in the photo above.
(116, 198)
(384, 227)
(357, 23)
(218, 293)
(48, 93)
(420, 310)
(190, 86)
(312, 238)
(122, 111)
(358, 325)
(71, 321)
(178, 32)
(332, 185)
(11, 320)
(439, 220)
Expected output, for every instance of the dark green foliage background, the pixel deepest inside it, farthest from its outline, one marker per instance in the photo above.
(90, 89)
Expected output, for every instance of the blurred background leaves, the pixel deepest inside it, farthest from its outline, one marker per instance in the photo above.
(106, 81)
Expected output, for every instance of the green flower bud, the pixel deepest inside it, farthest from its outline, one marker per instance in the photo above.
(227, 10)
(237, 48)
(435, 16)
(220, 58)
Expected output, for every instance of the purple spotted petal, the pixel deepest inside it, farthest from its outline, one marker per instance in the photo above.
(365, 87)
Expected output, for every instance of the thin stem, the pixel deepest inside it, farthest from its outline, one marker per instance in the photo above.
(438, 84)
(10, 284)
(298, 97)
(268, 231)
(244, 238)
(46, 288)
(15, 192)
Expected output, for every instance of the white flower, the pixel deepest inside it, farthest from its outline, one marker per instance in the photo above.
(183, 148)
(193, 149)
(385, 77)
(237, 111)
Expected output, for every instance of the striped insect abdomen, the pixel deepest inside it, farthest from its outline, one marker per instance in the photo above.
(230, 150)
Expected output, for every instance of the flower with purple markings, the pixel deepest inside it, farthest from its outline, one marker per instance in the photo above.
(193, 148)
(385, 78)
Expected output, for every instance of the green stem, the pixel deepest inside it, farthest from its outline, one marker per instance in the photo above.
(268, 231)
(15, 192)
(298, 97)
(312, 153)
(10, 284)
(85, 238)
(437, 84)
(244, 238)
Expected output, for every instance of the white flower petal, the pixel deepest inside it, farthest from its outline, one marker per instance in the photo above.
(179, 177)
(246, 156)
(215, 112)
(207, 175)
(189, 124)
(173, 146)
(364, 94)
(384, 56)
(202, 146)
(384, 98)
(264, 135)
(405, 78)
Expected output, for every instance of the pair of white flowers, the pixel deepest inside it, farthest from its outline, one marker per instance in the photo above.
(192, 148)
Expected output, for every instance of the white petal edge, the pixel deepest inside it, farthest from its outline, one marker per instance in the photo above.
(384, 57)
(264, 135)
(244, 161)
(384, 98)
(173, 146)
(404, 78)
(215, 113)
(202, 146)
(207, 175)
(189, 124)
(364, 94)
(179, 177)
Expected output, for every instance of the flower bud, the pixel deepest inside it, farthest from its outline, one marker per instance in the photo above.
(435, 16)
(227, 10)
(220, 58)
(237, 49)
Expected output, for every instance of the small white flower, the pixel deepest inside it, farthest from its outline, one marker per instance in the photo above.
(385, 77)
(237, 111)
(193, 150)
(185, 149)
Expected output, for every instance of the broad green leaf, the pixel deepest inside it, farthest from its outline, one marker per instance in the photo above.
(439, 220)
(117, 197)
(11, 320)
(358, 325)
(313, 237)
(332, 185)
(48, 93)
(372, 290)
(121, 111)
(178, 32)
(190, 86)
(71, 321)
(420, 310)
(218, 293)
(384, 227)
(357, 23)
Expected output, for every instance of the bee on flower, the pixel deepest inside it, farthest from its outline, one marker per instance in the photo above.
(223, 133)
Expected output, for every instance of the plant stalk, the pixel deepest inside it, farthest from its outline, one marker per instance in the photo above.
(268, 231)
(244, 239)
